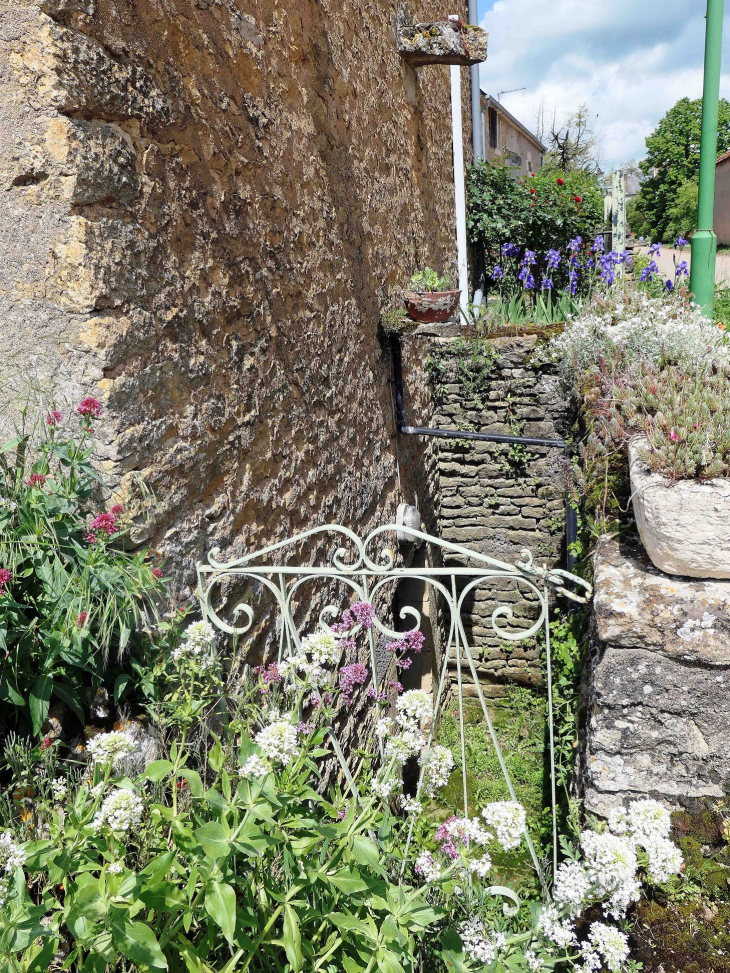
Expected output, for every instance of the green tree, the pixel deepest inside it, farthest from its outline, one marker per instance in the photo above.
(673, 158)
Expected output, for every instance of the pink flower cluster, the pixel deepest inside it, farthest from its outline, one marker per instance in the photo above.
(90, 408)
(268, 675)
(37, 480)
(105, 523)
(5, 578)
(350, 677)
(53, 418)
(448, 840)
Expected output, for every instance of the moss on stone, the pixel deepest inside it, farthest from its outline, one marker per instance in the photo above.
(682, 937)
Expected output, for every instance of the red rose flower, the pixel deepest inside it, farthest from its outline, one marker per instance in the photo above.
(561, 182)
(577, 199)
(532, 190)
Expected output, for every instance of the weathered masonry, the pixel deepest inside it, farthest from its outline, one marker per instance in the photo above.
(499, 499)
(205, 206)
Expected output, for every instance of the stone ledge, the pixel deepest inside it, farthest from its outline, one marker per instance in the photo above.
(636, 605)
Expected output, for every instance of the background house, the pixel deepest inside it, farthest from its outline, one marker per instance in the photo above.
(503, 135)
(721, 219)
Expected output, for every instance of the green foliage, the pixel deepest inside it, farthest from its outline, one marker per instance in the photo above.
(682, 213)
(70, 609)
(673, 152)
(516, 310)
(466, 362)
(536, 213)
(428, 281)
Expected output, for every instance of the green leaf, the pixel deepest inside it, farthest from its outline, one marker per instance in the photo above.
(220, 904)
(120, 685)
(215, 839)
(365, 852)
(292, 938)
(39, 700)
(66, 692)
(9, 693)
(157, 770)
(215, 757)
(194, 782)
(452, 951)
(138, 943)
(348, 880)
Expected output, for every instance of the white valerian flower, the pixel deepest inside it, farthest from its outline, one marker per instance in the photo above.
(197, 645)
(427, 867)
(647, 820)
(383, 788)
(467, 830)
(405, 744)
(557, 930)
(665, 858)
(384, 727)
(110, 748)
(7, 504)
(437, 765)
(255, 766)
(322, 648)
(610, 863)
(477, 946)
(508, 821)
(410, 805)
(414, 707)
(533, 961)
(116, 868)
(481, 866)
(120, 811)
(572, 887)
(618, 820)
(59, 789)
(12, 855)
(611, 944)
(279, 741)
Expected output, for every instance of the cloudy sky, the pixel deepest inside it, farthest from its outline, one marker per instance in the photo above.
(628, 61)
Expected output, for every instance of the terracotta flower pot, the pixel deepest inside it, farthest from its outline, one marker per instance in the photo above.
(431, 307)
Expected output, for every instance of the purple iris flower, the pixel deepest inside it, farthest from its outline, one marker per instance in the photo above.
(649, 271)
(547, 284)
(598, 244)
(497, 273)
(681, 242)
(574, 243)
(682, 269)
(655, 248)
(528, 258)
(510, 250)
(668, 286)
(553, 259)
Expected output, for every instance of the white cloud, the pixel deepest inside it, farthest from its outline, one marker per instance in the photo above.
(629, 62)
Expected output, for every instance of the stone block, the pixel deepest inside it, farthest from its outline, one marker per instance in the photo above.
(656, 690)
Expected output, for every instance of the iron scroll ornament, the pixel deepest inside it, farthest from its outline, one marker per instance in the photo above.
(365, 568)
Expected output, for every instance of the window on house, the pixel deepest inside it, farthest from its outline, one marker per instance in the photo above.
(493, 128)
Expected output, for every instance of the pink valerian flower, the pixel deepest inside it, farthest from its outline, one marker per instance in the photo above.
(305, 729)
(90, 408)
(342, 813)
(117, 510)
(37, 481)
(673, 435)
(394, 684)
(81, 619)
(379, 695)
(364, 612)
(157, 572)
(346, 622)
(91, 538)
(404, 663)
(53, 418)
(351, 676)
(5, 578)
(104, 523)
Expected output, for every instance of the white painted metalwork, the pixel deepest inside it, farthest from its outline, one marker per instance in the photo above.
(366, 569)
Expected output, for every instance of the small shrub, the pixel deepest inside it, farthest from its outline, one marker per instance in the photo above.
(428, 281)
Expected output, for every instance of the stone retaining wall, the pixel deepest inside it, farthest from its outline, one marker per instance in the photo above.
(496, 498)
(655, 694)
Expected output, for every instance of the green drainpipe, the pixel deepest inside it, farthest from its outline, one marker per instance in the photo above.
(704, 241)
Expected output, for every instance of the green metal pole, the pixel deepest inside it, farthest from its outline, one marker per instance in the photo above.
(704, 241)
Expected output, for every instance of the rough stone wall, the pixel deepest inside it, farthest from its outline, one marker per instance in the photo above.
(496, 498)
(205, 206)
(657, 708)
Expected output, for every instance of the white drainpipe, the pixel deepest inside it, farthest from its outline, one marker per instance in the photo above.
(459, 186)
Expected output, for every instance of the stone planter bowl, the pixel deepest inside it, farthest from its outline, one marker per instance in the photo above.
(684, 526)
(431, 307)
